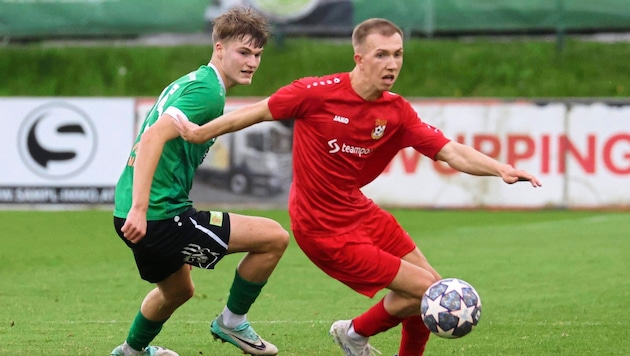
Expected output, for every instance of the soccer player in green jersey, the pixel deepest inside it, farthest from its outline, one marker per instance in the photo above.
(154, 215)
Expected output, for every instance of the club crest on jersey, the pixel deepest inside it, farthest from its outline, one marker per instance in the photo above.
(379, 128)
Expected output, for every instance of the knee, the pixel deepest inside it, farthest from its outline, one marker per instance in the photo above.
(426, 283)
(414, 305)
(402, 304)
(181, 295)
(281, 239)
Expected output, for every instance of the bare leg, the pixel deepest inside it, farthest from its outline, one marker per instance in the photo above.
(169, 295)
(263, 239)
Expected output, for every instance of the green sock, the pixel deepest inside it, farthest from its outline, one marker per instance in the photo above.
(143, 331)
(243, 294)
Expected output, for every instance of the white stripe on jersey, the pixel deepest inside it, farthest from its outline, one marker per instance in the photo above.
(176, 114)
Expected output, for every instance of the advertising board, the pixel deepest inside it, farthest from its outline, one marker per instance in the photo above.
(63, 150)
(58, 151)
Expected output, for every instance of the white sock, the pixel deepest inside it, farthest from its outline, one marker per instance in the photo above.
(352, 334)
(231, 320)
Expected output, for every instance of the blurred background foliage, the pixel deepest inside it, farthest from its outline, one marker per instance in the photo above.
(479, 67)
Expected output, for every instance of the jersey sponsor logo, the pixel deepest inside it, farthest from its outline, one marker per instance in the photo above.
(343, 120)
(333, 145)
(57, 140)
(379, 128)
(344, 148)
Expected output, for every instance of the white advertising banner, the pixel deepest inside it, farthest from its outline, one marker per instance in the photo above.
(580, 152)
(63, 150)
(71, 151)
(595, 158)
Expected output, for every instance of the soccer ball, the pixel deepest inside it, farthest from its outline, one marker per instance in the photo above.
(450, 308)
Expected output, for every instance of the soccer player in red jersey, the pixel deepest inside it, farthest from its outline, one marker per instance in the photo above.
(348, 126)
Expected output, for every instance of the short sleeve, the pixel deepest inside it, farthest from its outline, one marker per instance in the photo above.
(423, 137)
(292, 101)
(200, 103)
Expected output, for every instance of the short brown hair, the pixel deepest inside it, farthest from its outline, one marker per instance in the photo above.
(375, 25)
(239, 23)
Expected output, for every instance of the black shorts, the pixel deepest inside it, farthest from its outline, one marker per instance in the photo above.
(198, 238)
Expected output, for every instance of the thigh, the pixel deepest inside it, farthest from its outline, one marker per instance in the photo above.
(413, 278)
(254, 233)
(416, 257)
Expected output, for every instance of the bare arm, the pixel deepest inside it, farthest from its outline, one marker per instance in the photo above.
(147, 157)
(468, 160)
(230, 122)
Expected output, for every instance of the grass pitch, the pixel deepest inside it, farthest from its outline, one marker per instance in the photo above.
(551, 283)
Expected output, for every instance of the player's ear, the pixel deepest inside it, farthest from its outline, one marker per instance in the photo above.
(358, 60)
(219, 49)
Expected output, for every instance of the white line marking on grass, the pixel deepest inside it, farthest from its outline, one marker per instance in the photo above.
(184, 321)
(556, 323)
(302, 322)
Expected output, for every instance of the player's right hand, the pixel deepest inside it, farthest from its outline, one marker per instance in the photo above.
(135, 226)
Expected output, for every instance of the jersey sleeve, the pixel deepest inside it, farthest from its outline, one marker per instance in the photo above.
(292, 101)
(423, 137)
(198, 102)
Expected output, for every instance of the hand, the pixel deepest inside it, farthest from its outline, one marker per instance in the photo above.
(135, 226)
(187, 130)
(512, 176)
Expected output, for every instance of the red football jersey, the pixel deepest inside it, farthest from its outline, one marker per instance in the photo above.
(341, 143)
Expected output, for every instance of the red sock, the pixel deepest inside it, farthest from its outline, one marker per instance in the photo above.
(375, 320)
(414, 337)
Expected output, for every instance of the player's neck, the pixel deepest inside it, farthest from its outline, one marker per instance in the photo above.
(363, 87)
(224, 78)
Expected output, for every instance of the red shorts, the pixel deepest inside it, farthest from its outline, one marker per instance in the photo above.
(365, 259)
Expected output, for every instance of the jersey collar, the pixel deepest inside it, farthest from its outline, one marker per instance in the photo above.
(218, 76)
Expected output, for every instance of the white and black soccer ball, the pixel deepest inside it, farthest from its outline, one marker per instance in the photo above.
(451, 308)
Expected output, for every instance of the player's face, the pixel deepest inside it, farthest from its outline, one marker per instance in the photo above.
(239, 61)
(381, 60)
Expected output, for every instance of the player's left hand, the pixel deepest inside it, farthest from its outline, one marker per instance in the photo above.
(187, 129)
(517, 175)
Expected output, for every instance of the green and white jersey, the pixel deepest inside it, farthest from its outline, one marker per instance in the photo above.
(200, 97)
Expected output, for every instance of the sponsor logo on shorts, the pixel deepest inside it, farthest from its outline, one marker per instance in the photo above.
(216, 218)
(199, 256)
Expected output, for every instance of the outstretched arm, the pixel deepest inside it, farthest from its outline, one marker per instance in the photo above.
(468, 160)
(230, 122)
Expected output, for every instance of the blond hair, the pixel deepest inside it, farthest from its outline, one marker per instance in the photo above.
(239, 23)
(375, 25)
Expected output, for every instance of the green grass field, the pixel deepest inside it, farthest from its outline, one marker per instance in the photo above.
(551, 283)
